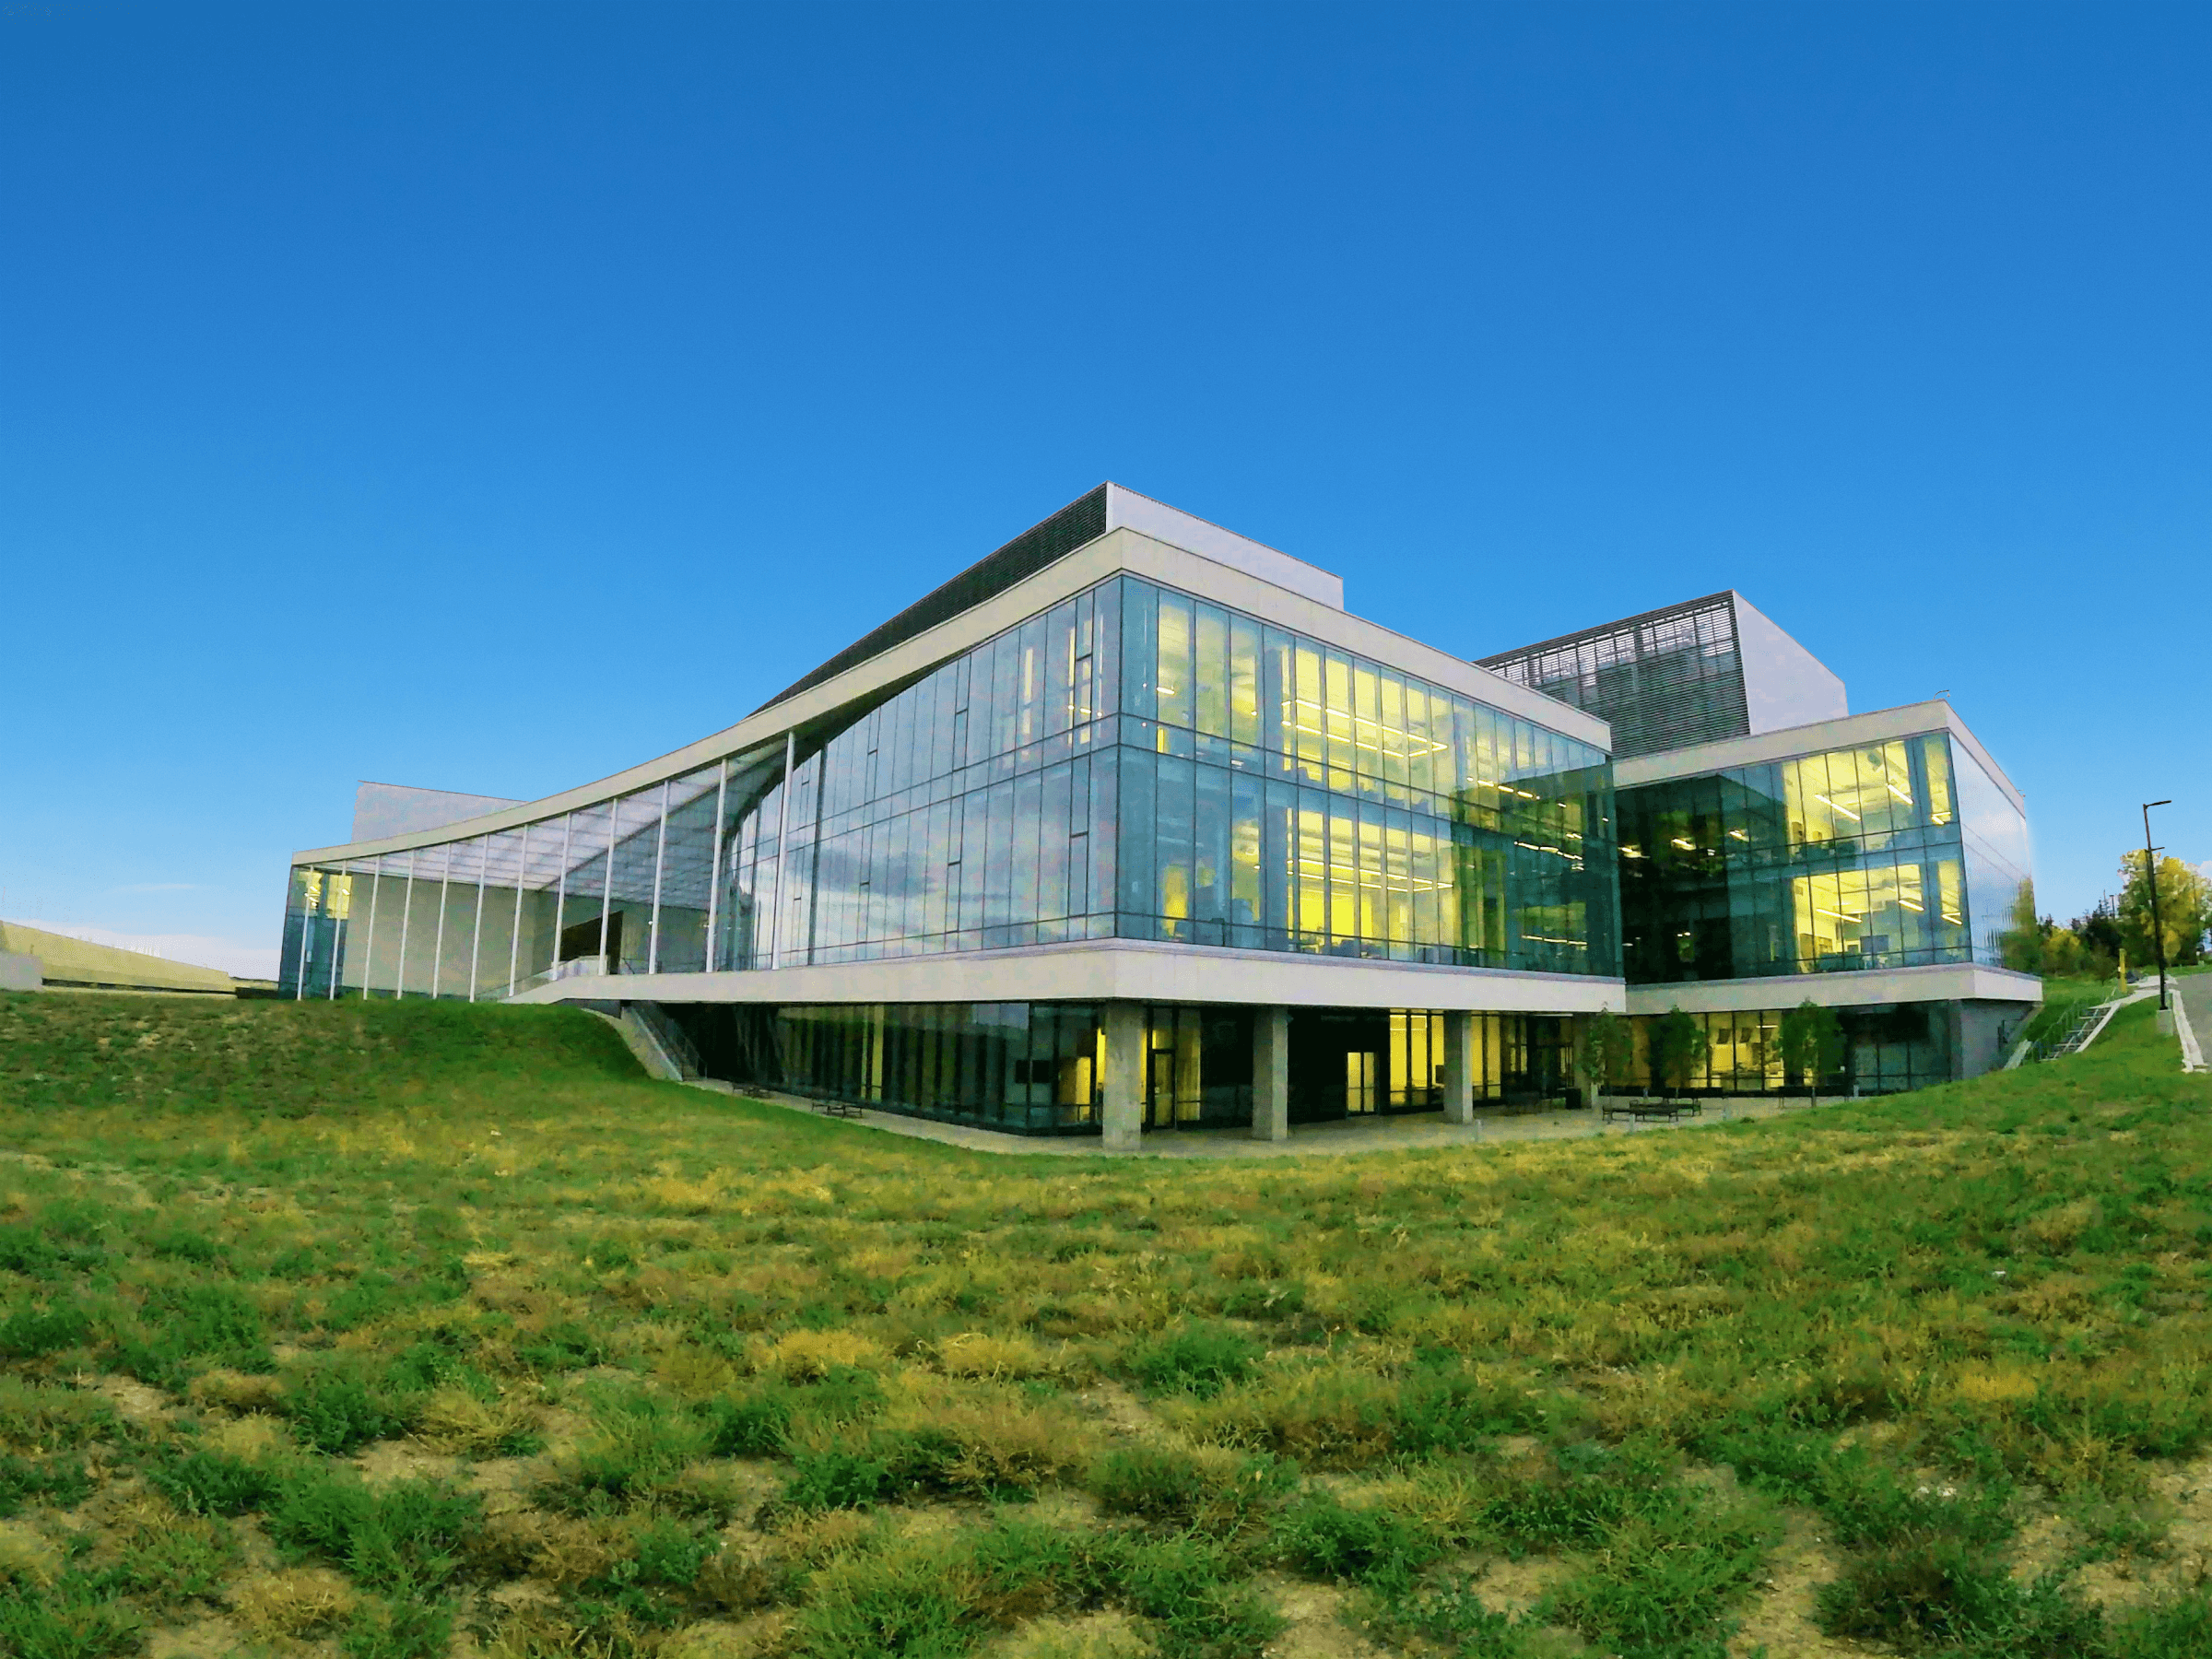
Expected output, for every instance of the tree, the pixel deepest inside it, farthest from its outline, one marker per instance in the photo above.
(1812, 1044)
(2099, 930)
(2021, 943)
(1603, 1046)
(1677, 1044)
(2184, 907)
(2065, 954)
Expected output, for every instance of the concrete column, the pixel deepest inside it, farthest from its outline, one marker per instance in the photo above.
(1271, 1074)
(1459, 1067)
(1122, 1117)
(1586, 1081)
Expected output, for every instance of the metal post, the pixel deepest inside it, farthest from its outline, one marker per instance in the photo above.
(376, 882)
(561, 895)
(407, 912)
(307, 932)
(2150, 875)
(721, 797)
(438, 941)
(775, 937)
(660, 857)
(606, 887)
(475, 942)
(341, 926)
(515, 940)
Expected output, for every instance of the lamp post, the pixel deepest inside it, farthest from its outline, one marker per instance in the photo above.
(2150, 874)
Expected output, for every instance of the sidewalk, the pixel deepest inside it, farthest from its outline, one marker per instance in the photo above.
(2192, 999)
(1411, 1132)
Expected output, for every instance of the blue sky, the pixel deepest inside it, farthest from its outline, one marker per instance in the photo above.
(488, 397)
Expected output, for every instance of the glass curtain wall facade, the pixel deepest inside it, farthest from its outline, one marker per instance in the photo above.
(1037, 1068)
(1896, 854)
(1140, 764)
(1135, 763)
(1887, 1048)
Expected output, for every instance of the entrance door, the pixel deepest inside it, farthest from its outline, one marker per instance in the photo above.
(1359, 1081)
(1163, 1088)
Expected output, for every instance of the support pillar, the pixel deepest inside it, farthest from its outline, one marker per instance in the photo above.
(1122, 1102)
(1459, 1067)
(1586, 1080)
(1271, 1074)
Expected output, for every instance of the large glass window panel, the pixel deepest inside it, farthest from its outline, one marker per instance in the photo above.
(1173, 683)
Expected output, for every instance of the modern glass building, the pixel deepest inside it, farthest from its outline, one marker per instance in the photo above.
(1130, 826)
(1874, 862)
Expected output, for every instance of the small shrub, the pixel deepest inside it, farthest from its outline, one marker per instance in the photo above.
(564, 1346)
(835, 1480)
(211, 1483)
(165, 1558)
(1590, 1489)
(902, 1604)
(1196, 1592)
(404, 1628)
(1666, 1577)
(61, 1481)
(1368, 1546)
(1196, 1360)
(33, 1333)
(751, 1425)
(1945, 1592)
(1208, 1488)
(1453, 1618)
(637, 1446)
(75, 1619)
(1451, 1409)
(335, 1408)
(406, 1538)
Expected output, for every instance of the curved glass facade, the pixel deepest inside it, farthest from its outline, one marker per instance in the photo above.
(1135, 763)
(1894, 854)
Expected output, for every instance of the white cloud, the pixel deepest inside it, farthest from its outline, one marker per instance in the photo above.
(246, 962)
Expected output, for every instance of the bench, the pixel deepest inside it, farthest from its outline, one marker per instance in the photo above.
(841, 1109)
(1653, 1112)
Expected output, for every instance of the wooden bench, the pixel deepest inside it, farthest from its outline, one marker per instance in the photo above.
(841, 1109)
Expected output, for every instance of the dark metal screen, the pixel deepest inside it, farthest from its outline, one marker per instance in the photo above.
(1665, 679)
(1081, 520)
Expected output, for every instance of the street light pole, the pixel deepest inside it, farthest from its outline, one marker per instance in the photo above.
(2150, 874)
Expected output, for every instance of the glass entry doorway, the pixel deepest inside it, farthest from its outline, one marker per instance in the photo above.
(1359, 1082)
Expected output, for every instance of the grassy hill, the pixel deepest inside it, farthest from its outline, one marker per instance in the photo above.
(408, 1329)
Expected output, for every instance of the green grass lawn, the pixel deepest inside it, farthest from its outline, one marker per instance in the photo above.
(407, 1329)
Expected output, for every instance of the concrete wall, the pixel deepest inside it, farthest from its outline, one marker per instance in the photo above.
(1120, 970)
(18, 972)
(1950, 981)
(1784, 684)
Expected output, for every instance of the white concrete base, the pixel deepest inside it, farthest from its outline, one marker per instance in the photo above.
(1120, 970)
(1948, 982)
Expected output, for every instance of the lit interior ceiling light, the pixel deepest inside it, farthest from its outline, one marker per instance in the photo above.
(1739, 835)
(1838, 915)
(1899, 794)
(1910, 906)
(1846, 811)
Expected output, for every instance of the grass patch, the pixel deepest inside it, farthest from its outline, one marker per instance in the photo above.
(798, 1386)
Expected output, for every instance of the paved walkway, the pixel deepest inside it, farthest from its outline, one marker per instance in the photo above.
(2192, 1024)
(1307, 1140)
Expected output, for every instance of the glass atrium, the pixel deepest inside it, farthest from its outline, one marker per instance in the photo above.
(1135, 763)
